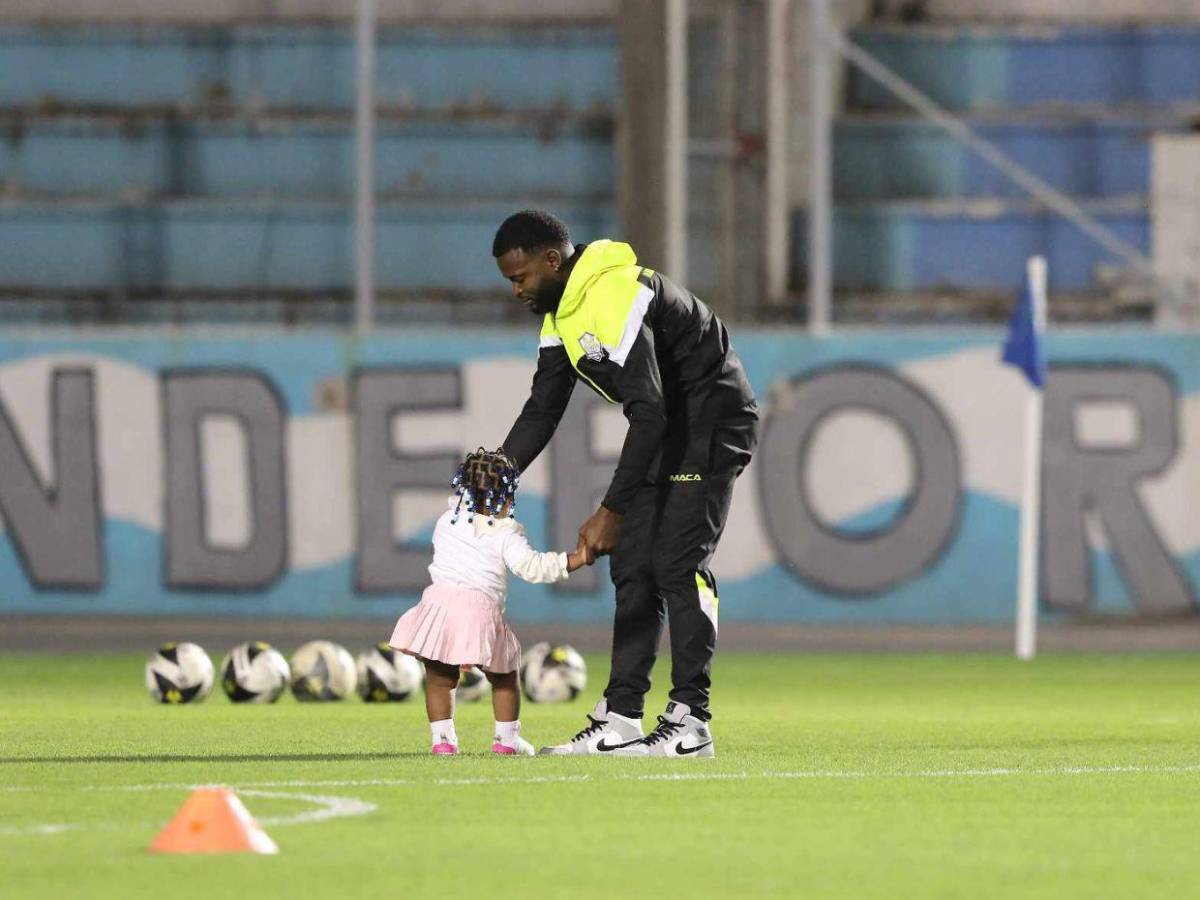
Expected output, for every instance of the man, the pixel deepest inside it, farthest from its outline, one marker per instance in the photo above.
(638, 339)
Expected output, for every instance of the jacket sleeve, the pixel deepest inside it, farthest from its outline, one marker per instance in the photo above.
(640, 384)
(552, 385)
(525, 562)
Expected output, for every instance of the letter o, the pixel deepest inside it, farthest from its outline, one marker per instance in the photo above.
(868, 563)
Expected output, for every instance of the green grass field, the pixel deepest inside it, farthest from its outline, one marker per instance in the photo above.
(837, 776)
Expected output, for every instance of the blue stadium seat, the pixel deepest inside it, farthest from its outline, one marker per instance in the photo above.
(266, 245)
(209, 159)
(972, 67)
(973, 245)
(896, 156)
(493, 157)
(1075, 105)
(306, 67)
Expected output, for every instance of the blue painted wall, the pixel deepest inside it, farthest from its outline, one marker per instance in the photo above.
(970, 580)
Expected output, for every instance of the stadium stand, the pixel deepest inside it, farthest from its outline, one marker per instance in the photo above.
(172, 171)
(217, 161)
(1076, 104)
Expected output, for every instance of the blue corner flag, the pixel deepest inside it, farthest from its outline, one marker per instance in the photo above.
(1023, 348)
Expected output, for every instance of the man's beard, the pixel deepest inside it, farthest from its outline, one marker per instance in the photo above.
(546, 300)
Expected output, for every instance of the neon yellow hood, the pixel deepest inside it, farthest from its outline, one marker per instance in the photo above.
(597, 258)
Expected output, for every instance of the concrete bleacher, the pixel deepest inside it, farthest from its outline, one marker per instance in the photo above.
(307, 66)
(1076, 105)
(215, 160)
(996, 66)
(1104, 155)
(181, 163)
(219, 160)
(303, 156)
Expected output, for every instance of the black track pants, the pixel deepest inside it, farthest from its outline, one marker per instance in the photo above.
(660, 564)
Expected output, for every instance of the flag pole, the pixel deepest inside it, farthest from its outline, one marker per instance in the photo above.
(1027, 573)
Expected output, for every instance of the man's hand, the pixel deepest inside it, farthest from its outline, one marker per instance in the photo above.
(585, 552)
(579, 557)
(600, 533)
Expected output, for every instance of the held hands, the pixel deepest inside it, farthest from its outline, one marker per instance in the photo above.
(599, 534)
(580, 557)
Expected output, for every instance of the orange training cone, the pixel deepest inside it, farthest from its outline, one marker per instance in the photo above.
(213, 820)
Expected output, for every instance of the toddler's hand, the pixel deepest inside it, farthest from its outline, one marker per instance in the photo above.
(579, 557)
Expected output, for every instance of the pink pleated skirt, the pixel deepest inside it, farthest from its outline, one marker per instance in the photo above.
(460, 627)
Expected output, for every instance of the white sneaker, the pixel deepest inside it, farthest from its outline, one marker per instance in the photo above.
(522, 747)
(606, 732)
(679, 735)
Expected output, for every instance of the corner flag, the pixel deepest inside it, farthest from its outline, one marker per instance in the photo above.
(1024, 350)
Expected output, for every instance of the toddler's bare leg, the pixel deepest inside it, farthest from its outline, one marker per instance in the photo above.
(506, 696)
(440, 681)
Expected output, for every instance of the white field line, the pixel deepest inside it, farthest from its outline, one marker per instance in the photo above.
(743, 776)
(815, 774)
(17, 830)
(327, 808)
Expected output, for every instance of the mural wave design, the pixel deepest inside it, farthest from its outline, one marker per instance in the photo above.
(856, 474)
(950, 593)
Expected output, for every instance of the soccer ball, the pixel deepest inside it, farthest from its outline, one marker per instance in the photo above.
(552, 673)
(387, 674)
(472, 685)
(179, 673)
(323, 670)
(254, 672)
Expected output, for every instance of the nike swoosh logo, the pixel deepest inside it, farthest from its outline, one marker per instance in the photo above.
(604, 746)
(684, 751)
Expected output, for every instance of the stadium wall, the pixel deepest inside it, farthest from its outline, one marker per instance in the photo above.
(1061, 11)
(226, 11)
(299, 475)
(577, 10)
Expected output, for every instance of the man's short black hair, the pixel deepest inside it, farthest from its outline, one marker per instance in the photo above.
(529, 230)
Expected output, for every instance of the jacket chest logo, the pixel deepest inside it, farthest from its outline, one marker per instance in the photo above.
(592, 348)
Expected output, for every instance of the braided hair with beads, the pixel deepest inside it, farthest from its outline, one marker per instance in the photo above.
(485, 482)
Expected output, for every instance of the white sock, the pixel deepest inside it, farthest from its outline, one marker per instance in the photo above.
(508, 732)
(443, 732)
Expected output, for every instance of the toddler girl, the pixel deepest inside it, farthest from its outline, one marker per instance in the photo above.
(460, 620)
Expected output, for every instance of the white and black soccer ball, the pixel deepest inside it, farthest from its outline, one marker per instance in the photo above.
(254, 672)
(323, 670)
(552, 673)
(385, 674)
(472, 685)
(179, 673)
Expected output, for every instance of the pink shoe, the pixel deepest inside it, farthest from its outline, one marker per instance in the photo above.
(445, 748)
(522, 748)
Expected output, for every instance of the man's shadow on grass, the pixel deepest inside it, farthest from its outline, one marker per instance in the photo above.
(211, 757)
